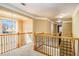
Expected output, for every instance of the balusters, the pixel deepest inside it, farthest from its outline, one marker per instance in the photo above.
(55, 46)
(1, 45)
(73, 46)
(46, 44)
(52, 46)
(14, 42)
(4, 42)
(43, 42)
(8, 42)
(35, 41)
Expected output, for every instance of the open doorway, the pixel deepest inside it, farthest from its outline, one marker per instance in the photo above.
(28, 27)
(59, 29)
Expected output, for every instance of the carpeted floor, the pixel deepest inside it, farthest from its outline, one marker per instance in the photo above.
(26, 50)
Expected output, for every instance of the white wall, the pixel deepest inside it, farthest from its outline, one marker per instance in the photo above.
(75, 29)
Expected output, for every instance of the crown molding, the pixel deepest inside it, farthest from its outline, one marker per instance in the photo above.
(21, 12)
(76, 10)
(67, 22)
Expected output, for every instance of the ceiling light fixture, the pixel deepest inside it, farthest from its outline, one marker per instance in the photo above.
(60, 16)
(23, 4)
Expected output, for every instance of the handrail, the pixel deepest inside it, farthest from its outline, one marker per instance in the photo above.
(8, 42)
(64, 37)
(40, 39)
(51, 35)
(43, 43)
(32, 33)
(16, 34)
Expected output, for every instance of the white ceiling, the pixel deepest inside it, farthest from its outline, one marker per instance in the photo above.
(48, 10)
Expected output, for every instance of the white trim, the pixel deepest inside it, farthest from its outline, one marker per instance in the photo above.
(28, 15)
(44, 18)
(67, 22)
(77, 8)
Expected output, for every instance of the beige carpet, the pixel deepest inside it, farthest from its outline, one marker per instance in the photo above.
(26, 50)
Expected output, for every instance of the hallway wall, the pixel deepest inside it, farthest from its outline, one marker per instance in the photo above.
(21, 40)
(41, 26)
(67, 29)
(28, 27)
(20, 22)
(76, 24)
(75, 27)
(53, 28)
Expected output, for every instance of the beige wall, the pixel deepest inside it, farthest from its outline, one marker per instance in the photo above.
(21, 40)
(75, 22)
(75, 26)
(41, 26)
(20, 26)
(14, 16)
(53, 28)
(25, 26)
(67, 29)
(28, 25)
(75, 29)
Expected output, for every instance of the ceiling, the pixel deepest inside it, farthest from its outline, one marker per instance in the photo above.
(46, 10)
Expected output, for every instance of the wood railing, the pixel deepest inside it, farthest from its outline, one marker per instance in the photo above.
(46, 43)
(55, 45)
(8, 42)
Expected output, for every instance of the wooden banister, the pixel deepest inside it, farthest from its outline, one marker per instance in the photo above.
(67, 43)
(47, 43)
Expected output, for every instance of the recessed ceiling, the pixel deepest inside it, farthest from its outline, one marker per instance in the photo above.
(48, 10)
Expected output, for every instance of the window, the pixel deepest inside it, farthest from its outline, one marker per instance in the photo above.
(8, 26)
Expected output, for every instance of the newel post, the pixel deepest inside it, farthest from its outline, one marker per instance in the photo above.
(34, 34)
(18, 40)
